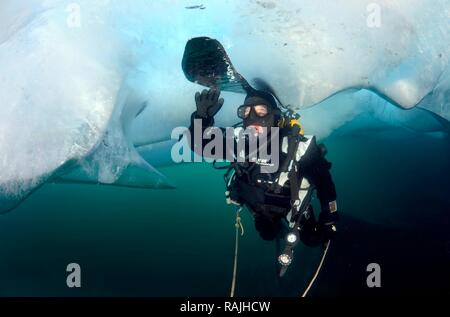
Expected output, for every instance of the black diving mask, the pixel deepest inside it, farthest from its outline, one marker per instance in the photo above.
(259, 114)
(245, 111)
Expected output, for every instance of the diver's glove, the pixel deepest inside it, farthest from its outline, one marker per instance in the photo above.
(208, 103)
(326, 232)
(328, 220)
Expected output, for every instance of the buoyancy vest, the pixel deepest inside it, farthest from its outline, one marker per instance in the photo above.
(272, 194)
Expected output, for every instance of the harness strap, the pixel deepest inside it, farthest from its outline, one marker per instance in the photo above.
(288, 164)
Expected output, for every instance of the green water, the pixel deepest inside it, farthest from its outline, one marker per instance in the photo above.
(131, 241)
(138, 242)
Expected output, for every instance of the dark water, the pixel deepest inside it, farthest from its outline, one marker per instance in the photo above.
(394, 196)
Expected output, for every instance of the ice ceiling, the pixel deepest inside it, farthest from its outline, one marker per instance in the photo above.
(90, 89)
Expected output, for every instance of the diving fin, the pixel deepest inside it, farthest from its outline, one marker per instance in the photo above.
(206, 62)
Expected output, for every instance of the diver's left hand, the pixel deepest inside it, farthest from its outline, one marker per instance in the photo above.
(208, 102)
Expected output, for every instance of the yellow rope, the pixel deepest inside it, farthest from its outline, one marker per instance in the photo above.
(327, 245)
(238, 225)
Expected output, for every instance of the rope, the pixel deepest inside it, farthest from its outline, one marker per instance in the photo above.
(238, 225)
(305, 293)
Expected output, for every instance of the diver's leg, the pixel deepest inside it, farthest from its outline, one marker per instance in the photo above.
(308, 228)
(307, 218)
(267, 227)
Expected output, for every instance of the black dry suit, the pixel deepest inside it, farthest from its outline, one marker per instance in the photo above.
(269, 196)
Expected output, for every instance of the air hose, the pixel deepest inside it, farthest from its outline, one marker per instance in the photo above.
(327, 246)
(240, 229)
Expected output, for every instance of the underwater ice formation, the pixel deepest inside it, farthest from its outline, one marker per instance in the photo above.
(74, 76)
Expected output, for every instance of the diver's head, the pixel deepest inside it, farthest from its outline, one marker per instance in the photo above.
(259, 111)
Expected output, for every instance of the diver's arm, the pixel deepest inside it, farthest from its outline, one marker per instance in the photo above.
(202, 124)
(326, 191)
(208, 104)
(316, 169)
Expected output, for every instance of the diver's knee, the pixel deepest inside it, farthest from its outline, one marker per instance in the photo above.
(310, 238)
(268, 236)
(268, 229)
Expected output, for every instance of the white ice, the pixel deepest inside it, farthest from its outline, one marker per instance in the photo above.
(73, 74)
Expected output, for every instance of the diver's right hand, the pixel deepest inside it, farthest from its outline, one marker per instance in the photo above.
(208, 103)
(326, 232)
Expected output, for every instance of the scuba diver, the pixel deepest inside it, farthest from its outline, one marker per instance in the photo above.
(283, 197)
